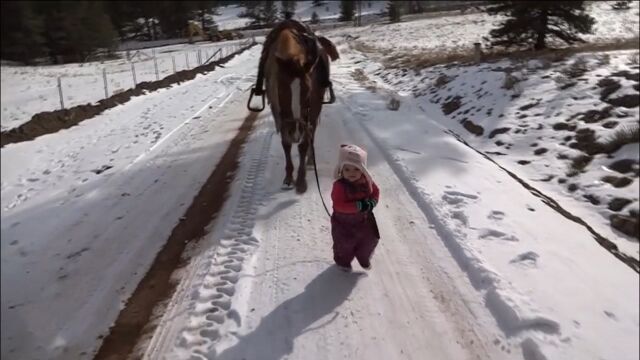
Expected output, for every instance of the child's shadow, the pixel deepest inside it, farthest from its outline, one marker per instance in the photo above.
(274, 337)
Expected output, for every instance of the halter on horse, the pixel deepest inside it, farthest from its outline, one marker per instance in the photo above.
(295, 64)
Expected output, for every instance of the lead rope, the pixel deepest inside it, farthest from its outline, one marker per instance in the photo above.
(315, 167)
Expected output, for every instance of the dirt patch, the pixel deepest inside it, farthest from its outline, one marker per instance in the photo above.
(156, 286)
(609, 86)
(617, 182)
(473, 128)
(524, 162)
(627, 225)
(592, 199)
(610, 124)
(49, 122)
(593, 116)
(625, 166)
(498, 131)
(629, 101)
(452, 105)
(617, 204)
(627, 75)
(540, 151)
(564, 126)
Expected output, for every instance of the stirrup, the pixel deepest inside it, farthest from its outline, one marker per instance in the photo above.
(255, 92)
(332, 96)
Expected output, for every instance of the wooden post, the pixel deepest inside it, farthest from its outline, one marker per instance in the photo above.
(133, 71)
(60, 92)
(104, 78)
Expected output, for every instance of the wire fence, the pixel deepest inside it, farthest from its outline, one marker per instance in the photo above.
(139, 66)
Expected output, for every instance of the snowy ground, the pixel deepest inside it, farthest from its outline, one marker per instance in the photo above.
(459, 32)
(28, 90)
(448, 216)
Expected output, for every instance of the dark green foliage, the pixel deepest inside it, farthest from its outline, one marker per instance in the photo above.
(532, 23)
(22, 29)
(394, 9)
(347, 10)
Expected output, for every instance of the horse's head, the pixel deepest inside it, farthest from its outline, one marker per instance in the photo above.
(302, 62)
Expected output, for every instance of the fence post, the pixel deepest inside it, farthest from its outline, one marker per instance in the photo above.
(155, 64)
(60, 92)
(173, 60)
(104, 77)
(133, 71)
(199, 57)
(186, 56)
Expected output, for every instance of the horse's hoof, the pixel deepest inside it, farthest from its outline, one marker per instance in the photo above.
(301, 187)
(286, 186)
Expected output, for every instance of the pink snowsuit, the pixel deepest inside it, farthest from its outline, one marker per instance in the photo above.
(355, 234)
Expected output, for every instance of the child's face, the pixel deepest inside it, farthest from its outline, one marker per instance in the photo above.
(351, 173)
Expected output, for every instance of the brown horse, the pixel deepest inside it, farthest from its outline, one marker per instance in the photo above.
(295, 66)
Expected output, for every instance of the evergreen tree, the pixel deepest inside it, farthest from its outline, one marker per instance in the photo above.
(288, 8)
(533, 22)
(205, 9)
(22, 29)
(270, 12)
(315, 18)
(394, 10)
(174, 16)
(347, 10)
(76, 29)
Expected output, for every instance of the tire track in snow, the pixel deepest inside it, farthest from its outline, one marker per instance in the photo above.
(156, 286)
(217, 273)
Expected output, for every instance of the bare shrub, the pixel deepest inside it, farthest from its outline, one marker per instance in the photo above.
(603, 59)
(621, 137)
(634, 59)
(393, 104)
(442, 80)
(510, 81)
(578, 68)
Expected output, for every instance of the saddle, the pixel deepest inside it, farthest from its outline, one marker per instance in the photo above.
(308, 40)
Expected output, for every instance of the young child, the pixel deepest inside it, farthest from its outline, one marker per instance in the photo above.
(353, 226)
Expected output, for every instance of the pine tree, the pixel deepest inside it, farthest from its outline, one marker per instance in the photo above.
(76, 29)
(22, 28)
(288, 8)
(533, 22)
(347, 10)
(205, 9)
(315, 18)
(174, 16)
(395, 12)
(270, 12)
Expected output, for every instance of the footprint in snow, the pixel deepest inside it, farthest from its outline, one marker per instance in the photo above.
(496, 215)
(528, 258)
(492, 233)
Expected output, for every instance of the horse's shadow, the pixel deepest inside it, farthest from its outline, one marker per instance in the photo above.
(274, 336)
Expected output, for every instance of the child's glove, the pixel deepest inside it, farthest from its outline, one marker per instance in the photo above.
(365, 205)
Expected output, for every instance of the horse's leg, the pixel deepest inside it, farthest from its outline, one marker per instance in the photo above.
(288, 180)
(301, 180)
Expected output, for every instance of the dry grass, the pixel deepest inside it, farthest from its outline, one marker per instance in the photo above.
(634, 59)
(620, 138)
(578, 68)
(430, 58)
